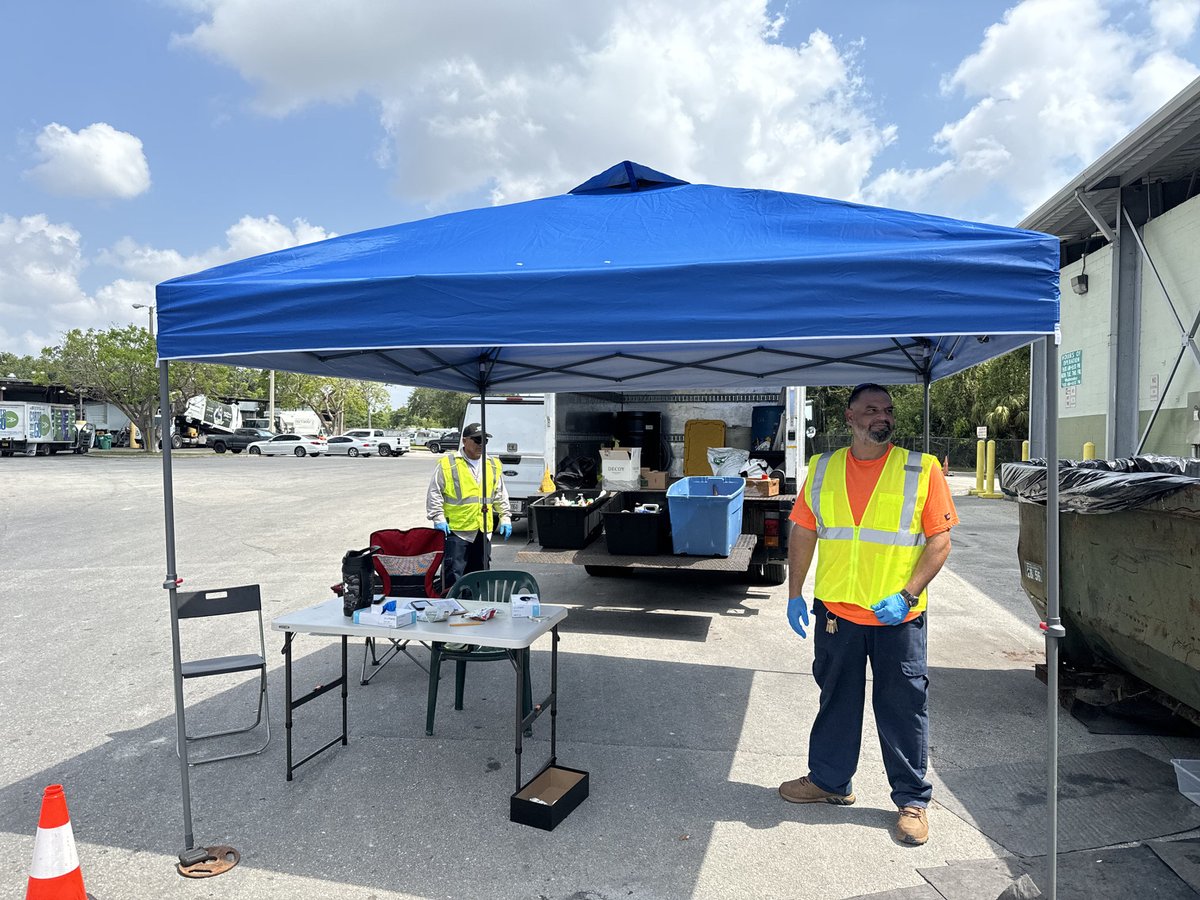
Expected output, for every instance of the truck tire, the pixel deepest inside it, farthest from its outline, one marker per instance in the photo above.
(772, 573)
(604, 571)
(254, 451)
(299, 451)
(219, 447)
(176, 442)
(433, 447)
(384, 450)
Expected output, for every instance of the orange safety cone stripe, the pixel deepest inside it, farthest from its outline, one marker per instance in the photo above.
(55, 872)
(54, 808)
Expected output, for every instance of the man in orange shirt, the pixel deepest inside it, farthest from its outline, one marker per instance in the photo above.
(878, 518)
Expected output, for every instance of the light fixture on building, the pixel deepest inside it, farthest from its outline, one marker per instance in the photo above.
(1079, 283)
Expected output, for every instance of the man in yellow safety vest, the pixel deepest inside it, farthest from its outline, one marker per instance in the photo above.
(456, 506)
(878, 518)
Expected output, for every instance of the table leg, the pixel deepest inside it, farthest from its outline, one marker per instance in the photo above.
(287, 691)
(345, 718)
(520, 717)
(553, 694)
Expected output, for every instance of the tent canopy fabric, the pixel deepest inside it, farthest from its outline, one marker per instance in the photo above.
(634, 280)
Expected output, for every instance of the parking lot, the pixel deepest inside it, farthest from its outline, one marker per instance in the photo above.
(688, 701)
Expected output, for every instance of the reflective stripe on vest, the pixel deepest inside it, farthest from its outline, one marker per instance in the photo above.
(462, 495)
(862, 564)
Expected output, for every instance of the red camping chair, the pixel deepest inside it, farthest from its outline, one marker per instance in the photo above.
(409, 562)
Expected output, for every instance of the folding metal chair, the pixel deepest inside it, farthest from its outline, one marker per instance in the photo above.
(409, 562)
(228, 602)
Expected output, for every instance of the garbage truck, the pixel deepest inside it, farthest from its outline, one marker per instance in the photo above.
(39, 429)
(536, 434)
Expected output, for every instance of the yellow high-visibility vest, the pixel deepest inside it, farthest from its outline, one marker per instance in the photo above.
(462, 495)
(863, 563)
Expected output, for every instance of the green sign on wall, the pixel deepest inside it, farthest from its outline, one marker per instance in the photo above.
(1071, 368)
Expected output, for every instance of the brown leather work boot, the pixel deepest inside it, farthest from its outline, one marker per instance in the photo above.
(802, 790)
(912, 827)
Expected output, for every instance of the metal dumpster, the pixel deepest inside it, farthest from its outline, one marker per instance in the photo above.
(1130, 563)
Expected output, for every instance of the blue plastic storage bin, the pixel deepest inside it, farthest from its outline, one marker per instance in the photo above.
(706, 514)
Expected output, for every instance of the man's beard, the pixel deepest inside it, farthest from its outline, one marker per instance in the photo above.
(880, 433)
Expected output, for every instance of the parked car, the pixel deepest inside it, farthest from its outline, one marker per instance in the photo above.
(351, 445)
(240, 439)
(389, 443)
(290, 445)
(448, 440)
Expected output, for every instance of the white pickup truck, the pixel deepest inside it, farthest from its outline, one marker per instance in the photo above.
(391, 443)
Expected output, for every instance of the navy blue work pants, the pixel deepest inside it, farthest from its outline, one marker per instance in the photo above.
(899, 696)
(464, 556)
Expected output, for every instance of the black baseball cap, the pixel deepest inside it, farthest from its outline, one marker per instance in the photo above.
(473, 430)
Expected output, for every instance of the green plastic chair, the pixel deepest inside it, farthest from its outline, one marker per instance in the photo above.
(494, 586)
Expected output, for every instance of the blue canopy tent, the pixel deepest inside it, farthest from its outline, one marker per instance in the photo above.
(634, 280)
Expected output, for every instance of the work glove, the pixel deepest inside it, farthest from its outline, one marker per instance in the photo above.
(797, 612)
(506, 531)
(891, 610)
(443, 527)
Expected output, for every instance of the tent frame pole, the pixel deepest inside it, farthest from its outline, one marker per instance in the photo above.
(190, 854)
(1054, 628)
(925, 388)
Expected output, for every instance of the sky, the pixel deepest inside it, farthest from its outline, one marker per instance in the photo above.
(145, 139)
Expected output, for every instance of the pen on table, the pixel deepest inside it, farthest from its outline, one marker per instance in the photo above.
(459, 624)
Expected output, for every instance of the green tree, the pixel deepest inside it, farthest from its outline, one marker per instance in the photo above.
(429, 406)
(116, 366)
(20, 367)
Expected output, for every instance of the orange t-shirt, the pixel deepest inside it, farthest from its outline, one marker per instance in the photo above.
(862, 475)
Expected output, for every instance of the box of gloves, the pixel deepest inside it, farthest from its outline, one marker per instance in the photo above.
(385, 614)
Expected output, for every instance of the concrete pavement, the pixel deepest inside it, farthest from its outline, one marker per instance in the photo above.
(687, 701)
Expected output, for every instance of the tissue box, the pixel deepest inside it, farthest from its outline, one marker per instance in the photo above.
(375, 616)
(653, 481)
(525, 606)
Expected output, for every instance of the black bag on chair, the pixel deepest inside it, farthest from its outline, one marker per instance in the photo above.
(358, 579)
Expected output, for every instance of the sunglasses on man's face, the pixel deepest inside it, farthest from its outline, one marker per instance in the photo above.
(475, 440)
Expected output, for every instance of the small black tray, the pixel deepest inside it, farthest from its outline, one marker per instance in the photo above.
(561, 788)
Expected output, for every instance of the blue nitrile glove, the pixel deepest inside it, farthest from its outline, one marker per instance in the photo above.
(891, 610)
(796, 613)
(443, 527)
(506, 531)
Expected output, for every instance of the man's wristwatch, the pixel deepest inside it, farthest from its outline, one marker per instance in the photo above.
(909, 599)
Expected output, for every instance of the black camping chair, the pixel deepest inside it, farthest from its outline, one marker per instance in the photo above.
(494, 586)
(228, 602)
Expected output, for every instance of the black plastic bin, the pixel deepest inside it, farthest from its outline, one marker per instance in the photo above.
(568, 527)
(630, 533)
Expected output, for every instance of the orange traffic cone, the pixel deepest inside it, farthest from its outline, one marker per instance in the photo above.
(946, 465)
(55, 872)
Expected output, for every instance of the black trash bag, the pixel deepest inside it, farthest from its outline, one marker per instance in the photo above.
(576, 473)
(358, 579)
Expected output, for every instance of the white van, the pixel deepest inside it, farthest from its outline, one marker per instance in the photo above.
(520, 435)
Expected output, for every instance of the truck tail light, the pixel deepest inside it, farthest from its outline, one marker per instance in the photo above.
(771, 529)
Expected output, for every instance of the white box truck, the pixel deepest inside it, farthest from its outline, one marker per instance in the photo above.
(36, 428)
(535, 432)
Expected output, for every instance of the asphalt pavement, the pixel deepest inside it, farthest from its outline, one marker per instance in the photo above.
(687, 700)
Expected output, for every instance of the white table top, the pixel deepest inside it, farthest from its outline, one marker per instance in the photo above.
(326, 618)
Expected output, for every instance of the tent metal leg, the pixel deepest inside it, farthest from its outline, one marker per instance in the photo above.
(1054, 628)
(189, 854)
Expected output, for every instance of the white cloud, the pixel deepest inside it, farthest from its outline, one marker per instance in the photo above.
(42, 265)
(1053, 85)
(96, 162)
(521, 100)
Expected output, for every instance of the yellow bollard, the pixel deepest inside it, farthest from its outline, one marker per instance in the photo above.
(1089, 450)
(1024, 451)
(979, 463)
(990, 478)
